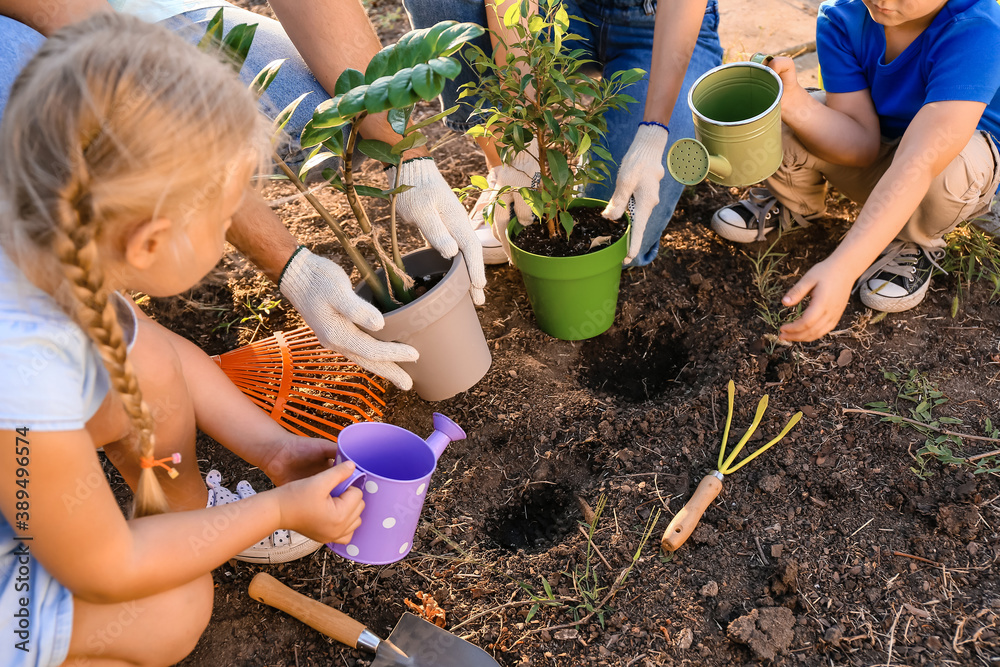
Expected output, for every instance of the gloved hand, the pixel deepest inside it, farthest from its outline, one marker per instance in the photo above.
(322, 293)
(639, 177)
(435, 210)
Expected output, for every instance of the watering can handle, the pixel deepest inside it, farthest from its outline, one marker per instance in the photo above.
(761, 58)
(684, 522)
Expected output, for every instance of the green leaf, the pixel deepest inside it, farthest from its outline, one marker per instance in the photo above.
(531, 613)
(377, 96)
(281, 120)
(334, 179)
(327, 114)
(313, 136)
(378, 150)
(452, 38)
(213, 33)
(369, 191)
(352, 103)
(423, 81)
(412, 140)
(446, 67)
(401, 93)
(335, 144)
(512, 16)
(315, 160)
(584, 144)
(237, 43)
(398, 118)
(627, 77)
(559, 167)
(566, 220)
(348, 80)
(480, 182)
(265, 77)
(433, 119)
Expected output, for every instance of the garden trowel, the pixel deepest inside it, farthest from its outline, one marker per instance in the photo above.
(413, 642)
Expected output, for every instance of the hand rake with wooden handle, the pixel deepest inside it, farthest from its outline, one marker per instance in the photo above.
(684, 522)
(306, 388)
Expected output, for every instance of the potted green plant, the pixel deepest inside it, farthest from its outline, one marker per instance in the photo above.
(434, 313)
(540, 98)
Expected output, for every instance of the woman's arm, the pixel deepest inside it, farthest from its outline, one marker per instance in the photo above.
(934, 138)
(81, 537)
(678, 23)
(47, 17)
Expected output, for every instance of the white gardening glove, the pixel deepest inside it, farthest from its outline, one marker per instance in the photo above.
(322, 293)
(639, 177)
(432, 206)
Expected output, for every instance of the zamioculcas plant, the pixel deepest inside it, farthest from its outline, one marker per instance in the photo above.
(541, 92)
(413, 69)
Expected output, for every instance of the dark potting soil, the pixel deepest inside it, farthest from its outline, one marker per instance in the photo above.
(589, 225)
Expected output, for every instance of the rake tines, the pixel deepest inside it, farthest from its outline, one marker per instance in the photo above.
(303, 386)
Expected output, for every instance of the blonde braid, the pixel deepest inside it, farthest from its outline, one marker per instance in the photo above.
(75, 246)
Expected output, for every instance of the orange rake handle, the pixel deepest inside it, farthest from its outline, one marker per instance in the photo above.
(685, 521)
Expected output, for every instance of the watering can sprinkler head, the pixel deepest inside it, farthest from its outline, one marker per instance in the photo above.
(445, 431)
(690, 162)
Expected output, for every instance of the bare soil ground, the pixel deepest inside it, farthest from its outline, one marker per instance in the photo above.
(827, 550)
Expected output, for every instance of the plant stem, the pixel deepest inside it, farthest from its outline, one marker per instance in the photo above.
(393, 239)
(380, 293)
(396, 283)
(927, 426)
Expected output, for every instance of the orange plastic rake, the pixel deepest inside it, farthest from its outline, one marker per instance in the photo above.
(303, 386)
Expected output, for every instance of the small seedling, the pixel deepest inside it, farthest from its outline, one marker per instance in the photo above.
(945, 447)
(767, 280)
(973, 256)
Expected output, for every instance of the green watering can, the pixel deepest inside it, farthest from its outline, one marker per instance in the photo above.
(737, 119)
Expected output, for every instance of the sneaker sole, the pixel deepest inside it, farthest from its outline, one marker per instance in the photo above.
(494, 255)
(887, 304)
(276, 555)
(734, 234)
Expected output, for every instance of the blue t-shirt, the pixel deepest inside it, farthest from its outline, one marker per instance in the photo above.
(957, 57)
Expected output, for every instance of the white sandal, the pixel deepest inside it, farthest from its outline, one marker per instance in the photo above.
(281, 546)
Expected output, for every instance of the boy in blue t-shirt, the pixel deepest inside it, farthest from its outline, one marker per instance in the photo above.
(908, 127)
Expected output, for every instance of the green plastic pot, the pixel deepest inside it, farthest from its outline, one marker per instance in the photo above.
(573, 298)
(737, 119)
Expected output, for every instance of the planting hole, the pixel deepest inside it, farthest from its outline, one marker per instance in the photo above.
(546, 514)
(634, 365)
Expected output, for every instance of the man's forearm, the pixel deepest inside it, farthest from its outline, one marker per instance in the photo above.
(261, 236)
(331, 36)
(47, 17)
(676, 33)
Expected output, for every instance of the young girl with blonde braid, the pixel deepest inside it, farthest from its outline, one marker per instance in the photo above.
(123, 154)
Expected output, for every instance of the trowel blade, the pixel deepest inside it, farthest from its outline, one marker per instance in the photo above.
(424, 644)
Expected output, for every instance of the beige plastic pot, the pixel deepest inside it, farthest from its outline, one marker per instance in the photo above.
(443, 327)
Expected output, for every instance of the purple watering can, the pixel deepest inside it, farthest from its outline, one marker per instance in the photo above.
(393, 470)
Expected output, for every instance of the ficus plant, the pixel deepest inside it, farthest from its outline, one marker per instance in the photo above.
(413, 69)
(541, 91)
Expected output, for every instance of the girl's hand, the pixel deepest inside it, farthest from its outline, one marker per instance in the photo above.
(830, 293)
(297, 457)
(307, 507)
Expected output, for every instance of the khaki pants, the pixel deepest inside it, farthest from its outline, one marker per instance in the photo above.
(962, 191)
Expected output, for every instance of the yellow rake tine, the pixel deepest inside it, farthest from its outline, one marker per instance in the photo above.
(761, 407)
(731, 389)
(788, 427)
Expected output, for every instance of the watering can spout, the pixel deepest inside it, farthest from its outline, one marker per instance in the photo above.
(690, 163)
(445, 431)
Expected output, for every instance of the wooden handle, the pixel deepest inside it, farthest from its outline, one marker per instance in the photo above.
(684, 522)
(331, 622)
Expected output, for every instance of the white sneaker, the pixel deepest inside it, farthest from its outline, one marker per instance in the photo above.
(493, 252)
(281, 546)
